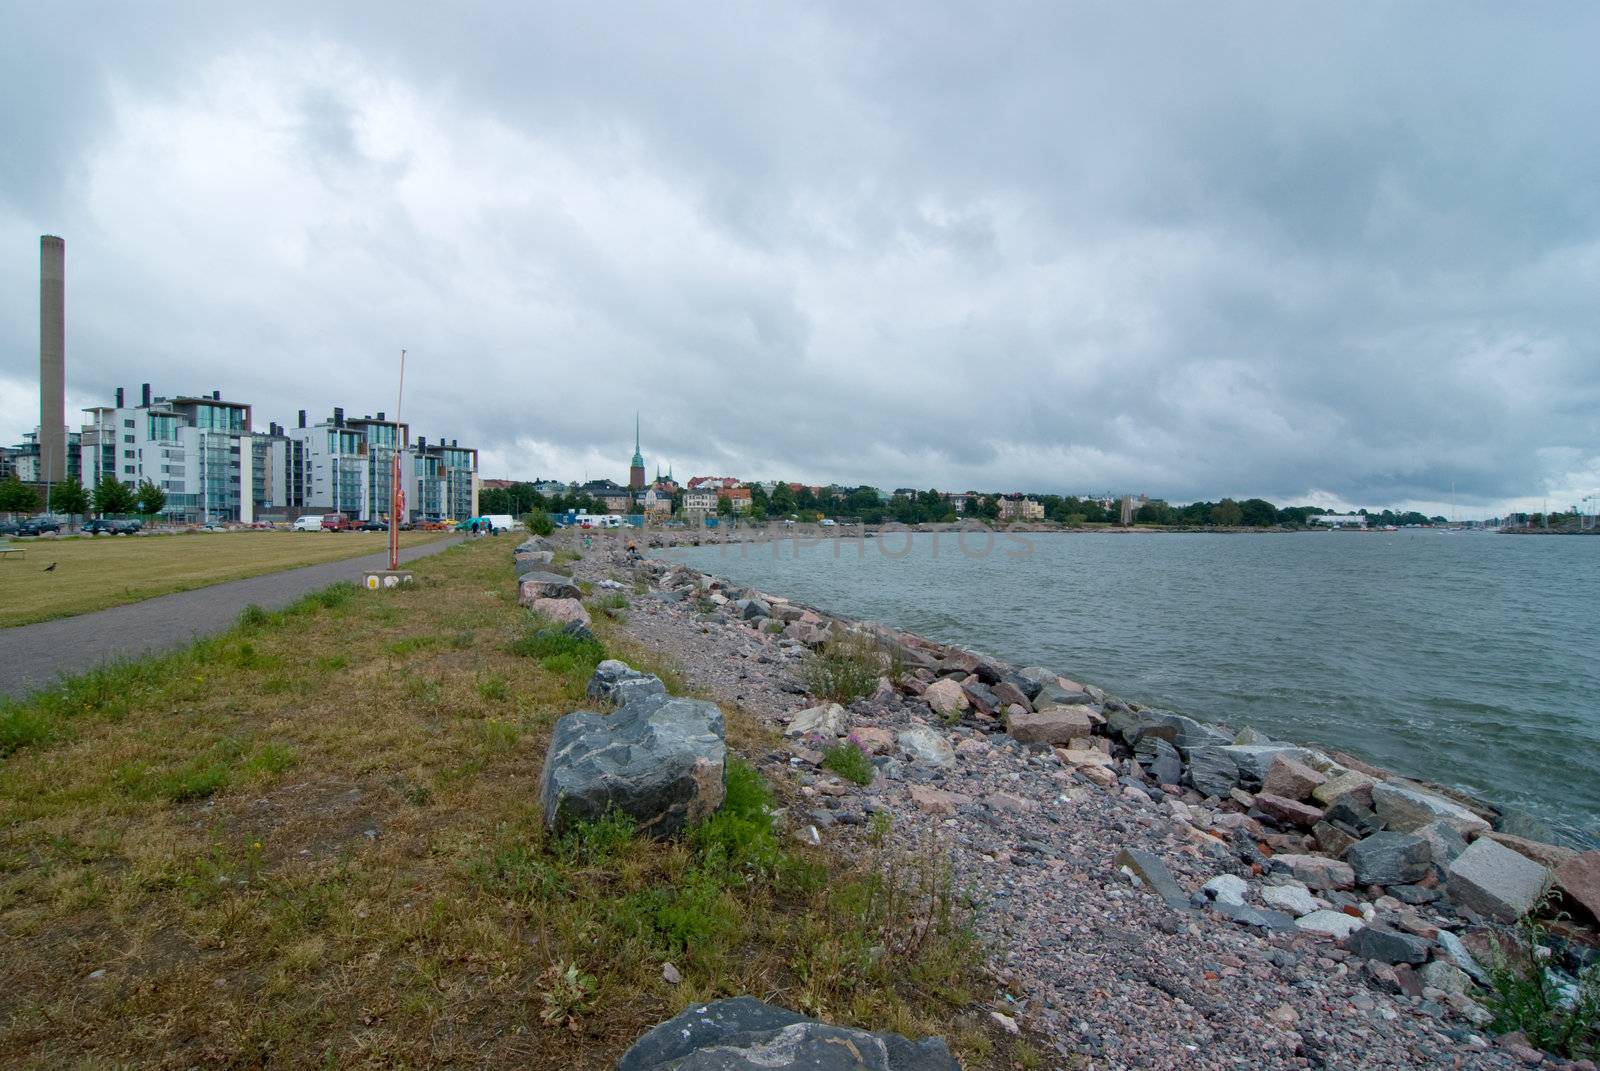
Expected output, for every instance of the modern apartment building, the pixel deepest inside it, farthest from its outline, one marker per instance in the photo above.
(203, 452)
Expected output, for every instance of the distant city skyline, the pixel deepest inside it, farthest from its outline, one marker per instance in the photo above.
(1198, 252)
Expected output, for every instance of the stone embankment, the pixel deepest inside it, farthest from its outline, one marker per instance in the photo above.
(1159, 892)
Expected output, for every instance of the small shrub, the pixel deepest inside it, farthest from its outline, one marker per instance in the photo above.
(592, 843)
(494, 689)
(567, 995)
(254, 616)
(739, 836)
(269, 760)
(1524, 994)
(846, 669)
(849, 762)
(538, 524)
(561, 653)
(498, 736)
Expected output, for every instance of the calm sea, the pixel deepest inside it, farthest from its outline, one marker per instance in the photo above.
(1471, 659)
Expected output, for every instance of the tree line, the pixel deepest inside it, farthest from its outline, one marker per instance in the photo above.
(864, 504)
(110, 497)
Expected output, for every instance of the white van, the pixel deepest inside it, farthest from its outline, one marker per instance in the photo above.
(501, 522)
(308, 524)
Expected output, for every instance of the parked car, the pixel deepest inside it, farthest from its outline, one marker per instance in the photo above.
(308, 524)
(39, 526)
(100, 526)
(9, 528)
(337, 522)
(127, 525)
(372, 526)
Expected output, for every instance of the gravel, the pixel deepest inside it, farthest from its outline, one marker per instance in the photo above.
(1098, 968)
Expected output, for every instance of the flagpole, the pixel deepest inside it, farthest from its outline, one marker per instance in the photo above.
(396, 492)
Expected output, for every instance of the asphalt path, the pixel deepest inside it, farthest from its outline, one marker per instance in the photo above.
(33, 656)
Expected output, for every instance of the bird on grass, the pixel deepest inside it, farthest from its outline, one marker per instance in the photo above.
(50, 568)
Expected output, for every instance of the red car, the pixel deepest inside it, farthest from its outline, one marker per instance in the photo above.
(337, 522)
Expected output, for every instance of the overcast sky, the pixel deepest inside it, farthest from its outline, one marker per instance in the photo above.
(1346, 254)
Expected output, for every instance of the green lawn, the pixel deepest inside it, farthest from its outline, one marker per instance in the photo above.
(94, 572)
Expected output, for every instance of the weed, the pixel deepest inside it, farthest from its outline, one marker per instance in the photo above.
(594, 843)
(498, 736)
(566, 995)
(254, 616)
(849, 762)
(739, 836)
(410, 645)
(494, 689)
(517, 871)
(462, 639)
(269, 760)
(1525, 994)
(562, 654)
(846, 669)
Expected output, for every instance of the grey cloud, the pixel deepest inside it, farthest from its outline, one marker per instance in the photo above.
(1190, 251)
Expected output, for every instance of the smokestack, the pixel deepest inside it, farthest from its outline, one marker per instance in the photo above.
(380, 414)
(302, 418)
(144, 395)
(119, 397)
(216, 396)
(52, 358)
(338, 416)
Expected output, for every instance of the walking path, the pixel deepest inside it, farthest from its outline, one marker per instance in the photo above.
(31, 656)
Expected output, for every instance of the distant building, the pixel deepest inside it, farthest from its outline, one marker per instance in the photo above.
(699, 502)
(738, 498)
(717, 482)
(1021, 508)
(636, 466)
(1339, 520)
(959, 501)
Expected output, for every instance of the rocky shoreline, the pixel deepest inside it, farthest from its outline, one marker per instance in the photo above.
(1159, 892)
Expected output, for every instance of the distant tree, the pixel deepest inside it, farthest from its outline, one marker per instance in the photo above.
(725, 506)
(537, 522)
(1258, 513)
(18, 497)
(111, 495)
(69, 496)
(150, 499)
(1227, 513)
(783, 501)
(1155, 512)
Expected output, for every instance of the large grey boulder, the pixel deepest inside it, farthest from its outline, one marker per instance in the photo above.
(534, 544)
(616, 682)
(745, 1034)
(1407, 809)
(1212, 771)
(1190, 733)
(1390, 859)
(1493, 880)
(657, 759)
(750, 609)
(1254, 760)
(542, 585)
(529, 559)
(1387, 945)
(1161, 759)
(1052, 694)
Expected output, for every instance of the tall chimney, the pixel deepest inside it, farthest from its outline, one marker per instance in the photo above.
(338, 416)
(144, 395)
(52, 358)
(302, 418)
(119, 397)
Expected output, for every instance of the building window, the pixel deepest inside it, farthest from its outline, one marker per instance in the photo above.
(128, 424)
(129, 454)
(128, 439)
(127, 470)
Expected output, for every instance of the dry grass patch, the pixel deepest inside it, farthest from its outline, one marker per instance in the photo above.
(94, 572)
(315, 841)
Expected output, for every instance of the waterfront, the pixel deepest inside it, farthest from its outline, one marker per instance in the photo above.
(1466, 658)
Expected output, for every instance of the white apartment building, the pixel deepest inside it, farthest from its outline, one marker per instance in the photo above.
(203, 452)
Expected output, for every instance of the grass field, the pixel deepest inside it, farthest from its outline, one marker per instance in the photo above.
(93, 573)
(315, 841)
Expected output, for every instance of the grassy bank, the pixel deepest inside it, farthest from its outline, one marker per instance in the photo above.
(93, 573)
(316, 841)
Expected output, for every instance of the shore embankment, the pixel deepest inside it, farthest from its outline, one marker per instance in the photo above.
(1159, 892)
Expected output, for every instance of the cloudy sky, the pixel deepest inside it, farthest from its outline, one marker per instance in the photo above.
(1339, 254)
